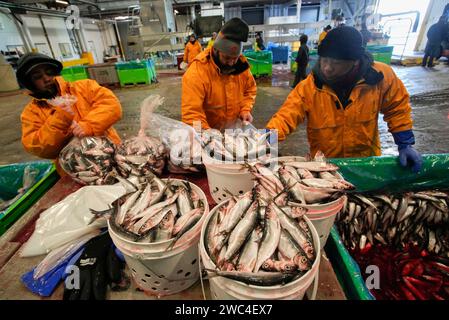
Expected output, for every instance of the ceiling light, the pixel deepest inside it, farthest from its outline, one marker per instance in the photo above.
(62, 2)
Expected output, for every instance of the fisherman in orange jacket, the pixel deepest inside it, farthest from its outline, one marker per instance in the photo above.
(218, 88)
(46, 129)
(192, 49)
(341, 100)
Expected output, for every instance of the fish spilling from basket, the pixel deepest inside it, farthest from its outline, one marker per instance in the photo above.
(253, 240)
(157, 210)
(397, 220)
(89, 160)
(300, 182)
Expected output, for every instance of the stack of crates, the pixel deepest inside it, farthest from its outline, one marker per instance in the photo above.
(134, 73)
(261, 62)
(381, 53)
(74, 73)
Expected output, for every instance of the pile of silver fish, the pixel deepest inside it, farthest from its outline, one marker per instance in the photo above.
(301, 182)
(420, 218)
(156, 211)
(141, 156)
(235, 145)
(89, 160)
(255, 241)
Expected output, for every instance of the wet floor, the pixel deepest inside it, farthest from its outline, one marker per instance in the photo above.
(429, 90)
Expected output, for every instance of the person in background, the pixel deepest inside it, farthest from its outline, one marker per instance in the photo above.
(212, 40)
(192, 49)
(46, 128)
(323, 34)
(341, 100)
(218, 88)
(258, 45)
(302, 60)
(366, 34)
(435, 36)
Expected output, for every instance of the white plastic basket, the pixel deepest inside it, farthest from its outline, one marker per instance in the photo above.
(159, 271)
(221, 177)
(226, 289)
(323, 215)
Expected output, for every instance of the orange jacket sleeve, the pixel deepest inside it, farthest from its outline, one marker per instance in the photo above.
(45, 138)
(192, 98)
(105, 108)
(290, 115)
(249, 96)
(395, 104)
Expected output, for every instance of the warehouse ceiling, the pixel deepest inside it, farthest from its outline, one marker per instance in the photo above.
(113, 8)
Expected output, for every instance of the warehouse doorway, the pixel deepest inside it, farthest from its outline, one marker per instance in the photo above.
(401, 20)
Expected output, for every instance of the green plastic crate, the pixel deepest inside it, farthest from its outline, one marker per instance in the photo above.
(379, 174)
(347, 270)
(381, 53)
(260, 62)
(11, 179)
(130, 73)
(74, 73)
(382, 57)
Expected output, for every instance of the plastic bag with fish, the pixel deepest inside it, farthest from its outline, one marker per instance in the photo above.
(142, 155)
(89, 160)
(183, 143)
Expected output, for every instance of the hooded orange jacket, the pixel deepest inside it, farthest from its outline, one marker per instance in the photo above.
(191, 51)
(351, 131)
(213, 98)
(46, 129)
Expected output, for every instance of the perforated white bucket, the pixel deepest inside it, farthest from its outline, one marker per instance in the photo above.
(321, 215)
(226, 289)
(160, 272)
(231, 177)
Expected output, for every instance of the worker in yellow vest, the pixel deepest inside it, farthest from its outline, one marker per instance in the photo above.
(211, 41)
(324, 33)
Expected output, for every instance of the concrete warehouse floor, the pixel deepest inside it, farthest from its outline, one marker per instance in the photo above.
(429, 90)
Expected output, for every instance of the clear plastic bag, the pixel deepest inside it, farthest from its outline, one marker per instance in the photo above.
(89, 160)
(182, 142)
(71, 218)
(142, 155)
(65, 100)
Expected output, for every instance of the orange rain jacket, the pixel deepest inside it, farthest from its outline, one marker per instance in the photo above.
(191, 51)
(46, 129)
(349, 132)
(213, 98)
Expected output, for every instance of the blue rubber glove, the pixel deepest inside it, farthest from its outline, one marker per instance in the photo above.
(407, 154)
(47, 283)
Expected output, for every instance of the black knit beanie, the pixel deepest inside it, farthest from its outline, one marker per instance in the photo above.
(344, 43)
(232, 34)
(28, 62)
